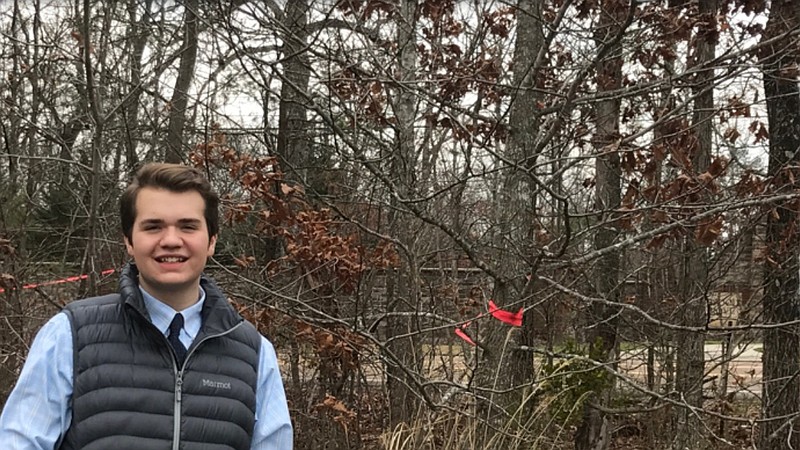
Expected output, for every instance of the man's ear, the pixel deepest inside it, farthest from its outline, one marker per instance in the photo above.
(128, 246)
(212, 244)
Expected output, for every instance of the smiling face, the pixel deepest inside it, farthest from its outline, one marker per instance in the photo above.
(170, 244)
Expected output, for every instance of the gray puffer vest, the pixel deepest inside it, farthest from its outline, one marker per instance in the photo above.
(130, 393)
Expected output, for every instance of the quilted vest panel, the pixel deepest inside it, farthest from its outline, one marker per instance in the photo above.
(125, 382)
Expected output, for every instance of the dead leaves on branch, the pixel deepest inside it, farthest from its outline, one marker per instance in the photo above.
(319, 248)
(335, 408)
(501, 21)
(654, 197)
(336, 349)
(707, 232)
(677, 200)
(314, 245)
(337, 356)
(759, 131)
(315, 241)
(8, 282)
(686, 197)
(454, 73)
(366, 9)
(333, 352)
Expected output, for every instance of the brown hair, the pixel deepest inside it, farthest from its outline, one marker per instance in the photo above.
(172, 177)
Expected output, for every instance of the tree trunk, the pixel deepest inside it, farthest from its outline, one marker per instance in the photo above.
(524, 124)
(140, 29)
(403, 298)
(180, 95)
(501, 366)
(694, 278)
(293, 140)
(593, 430)
(781, 358)
(89, 265)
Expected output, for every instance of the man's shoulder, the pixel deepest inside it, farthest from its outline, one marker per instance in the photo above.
(253, 330)
(250, 333)
(93, 302)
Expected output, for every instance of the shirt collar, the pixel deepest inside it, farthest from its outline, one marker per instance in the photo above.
(161, 314)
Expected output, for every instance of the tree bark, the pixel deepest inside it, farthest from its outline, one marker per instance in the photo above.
(593, 430)
(516, 214)
(781, 358)
(293, 140)
(694, 278)
(404, 296)
(524, 123)
(89, 265)
(180, 94)
(140, 30)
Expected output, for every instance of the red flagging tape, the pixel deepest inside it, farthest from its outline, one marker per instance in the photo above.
(61, 281)
(513, 319)
(460, 333)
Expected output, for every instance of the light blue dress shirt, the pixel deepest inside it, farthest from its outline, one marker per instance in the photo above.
(38, 411)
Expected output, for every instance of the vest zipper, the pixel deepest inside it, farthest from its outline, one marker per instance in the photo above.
(176, 430)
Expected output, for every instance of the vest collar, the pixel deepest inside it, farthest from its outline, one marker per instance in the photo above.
(217, 314)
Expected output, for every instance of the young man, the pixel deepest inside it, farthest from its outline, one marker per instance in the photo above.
(164, 363)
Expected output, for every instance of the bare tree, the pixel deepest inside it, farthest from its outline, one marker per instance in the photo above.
(293, 138)
(593, 432)
(139, 30)
(180, 93)
(693, 278)
(781, 358)
(402, 290)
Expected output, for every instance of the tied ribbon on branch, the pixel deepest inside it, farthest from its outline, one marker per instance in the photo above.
(463, 335)
(508, 317)
(513, 319)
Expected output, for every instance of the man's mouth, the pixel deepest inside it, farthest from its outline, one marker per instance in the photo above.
(171, 259)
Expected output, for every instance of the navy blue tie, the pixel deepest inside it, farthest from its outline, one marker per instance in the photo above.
(174, 340)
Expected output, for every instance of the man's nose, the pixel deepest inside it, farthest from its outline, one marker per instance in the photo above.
(171, 237)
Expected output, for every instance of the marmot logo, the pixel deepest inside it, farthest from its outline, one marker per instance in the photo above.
(216, 384)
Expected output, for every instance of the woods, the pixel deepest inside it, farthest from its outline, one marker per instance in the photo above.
(538, 224)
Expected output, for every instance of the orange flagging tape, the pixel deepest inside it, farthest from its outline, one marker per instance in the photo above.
(61, 281)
